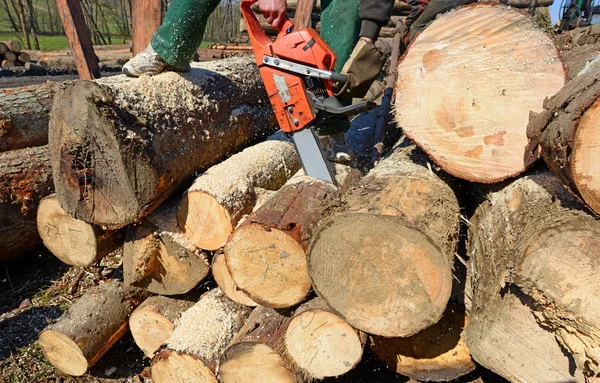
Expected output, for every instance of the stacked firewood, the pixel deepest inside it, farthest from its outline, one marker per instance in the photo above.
(11, 54)
(309, 275)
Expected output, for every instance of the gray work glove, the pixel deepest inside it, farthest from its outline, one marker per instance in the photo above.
(363, 67)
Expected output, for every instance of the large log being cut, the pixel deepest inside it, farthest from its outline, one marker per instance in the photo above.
(467, 84)
(26, 113)
(121, 146)
(535, 314)
(395, 241)
(568, 131)
(25, 178)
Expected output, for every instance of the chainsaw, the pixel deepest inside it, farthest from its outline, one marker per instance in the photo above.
(297, 71)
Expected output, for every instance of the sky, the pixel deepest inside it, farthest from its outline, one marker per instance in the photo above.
(554, 10)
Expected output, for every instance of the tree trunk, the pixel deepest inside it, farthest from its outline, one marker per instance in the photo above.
(568, 133)
(437, 353)
(226, 192)
(73, 241)
(223, 278)
(384, 264)
(28, 109)
(141, 139)
(25, 178)
(152, 323)
(535, 310)
(90, 327)
(466, 100)
(198, 339)
(24, 28)
(266, 255)
(320, 343)
(32, 23)
(254, 355)
(158, 257)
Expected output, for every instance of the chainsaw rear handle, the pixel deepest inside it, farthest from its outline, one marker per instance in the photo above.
(256, 32)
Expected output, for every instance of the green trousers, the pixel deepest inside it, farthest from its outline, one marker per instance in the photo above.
(183, 29)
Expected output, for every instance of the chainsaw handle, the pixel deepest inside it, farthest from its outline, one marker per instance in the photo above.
(256, 32)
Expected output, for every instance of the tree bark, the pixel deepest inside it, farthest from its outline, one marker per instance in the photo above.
(141, 139)
(223, 278)
(28, 110)
(152, 323)
(266, 255)
(158, 257)
(201, 334)
(25, 178)
(90, 327)
(384, 263)
(437, 353)
(535, 309)
(567, 130)
(254, 355)
(73, 241)
(320, 343)
(467, 104)
(226, 192)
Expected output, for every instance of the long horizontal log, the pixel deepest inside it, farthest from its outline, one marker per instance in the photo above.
(122, 146)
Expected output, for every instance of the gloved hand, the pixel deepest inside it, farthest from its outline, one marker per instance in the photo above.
(273, 11)
(363, 67)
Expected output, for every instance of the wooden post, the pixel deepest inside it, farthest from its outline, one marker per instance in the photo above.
(79, 38)
(303, 12)
(146, 18)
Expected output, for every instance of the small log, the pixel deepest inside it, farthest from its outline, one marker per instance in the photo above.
(466, 101)
(90, 327)
(568, 133)
(141, 139)
(266, 255)
(36, 69)
(226, 192)
(74, 242)
(320, 343)
(535, 310)
(384, 263)
(23, 57)
(437, 353)
(3, 48)
(28, 109)
(158, 257)
(13, 45)
(254, 355)
(25, 178)
(201, 334)
(152, 323)
(7, 64)
(223, 278)
(10, 56)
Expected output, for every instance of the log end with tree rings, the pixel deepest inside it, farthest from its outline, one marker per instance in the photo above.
(380, 274)
(254, 362)
(209, 225)
(467, 84)
(170, 367)
(223, 278)
(268, 265)
(63, 353)
(321, 344)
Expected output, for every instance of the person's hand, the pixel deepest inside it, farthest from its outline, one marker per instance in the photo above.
(362, 68)
(273, 11)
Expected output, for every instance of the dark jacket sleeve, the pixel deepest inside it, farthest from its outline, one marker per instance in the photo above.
(374, 15)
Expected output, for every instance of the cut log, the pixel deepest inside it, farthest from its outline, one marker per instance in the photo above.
(536, 308)
(14, 45)
(140, 139)
(568, 131)
(90, 327)
(320, 343)
(10, 56)
(266, 255)
(7, 64)
(254, 356)
(226, 192)
(384, 263)
(23, 57)
(25, 178)
(152, 323)
(28, 109)
(223, 278)
(198, 339)
(437, 353)
(158, 257)
(465, 97)
(73, 241)
(3, 48)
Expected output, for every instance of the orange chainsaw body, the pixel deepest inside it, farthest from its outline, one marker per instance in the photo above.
(287, 91)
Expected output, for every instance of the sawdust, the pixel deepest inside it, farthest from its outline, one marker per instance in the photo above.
(208, 326)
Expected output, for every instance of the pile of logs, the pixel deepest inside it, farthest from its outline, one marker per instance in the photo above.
(11, 54)
(184, 171)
